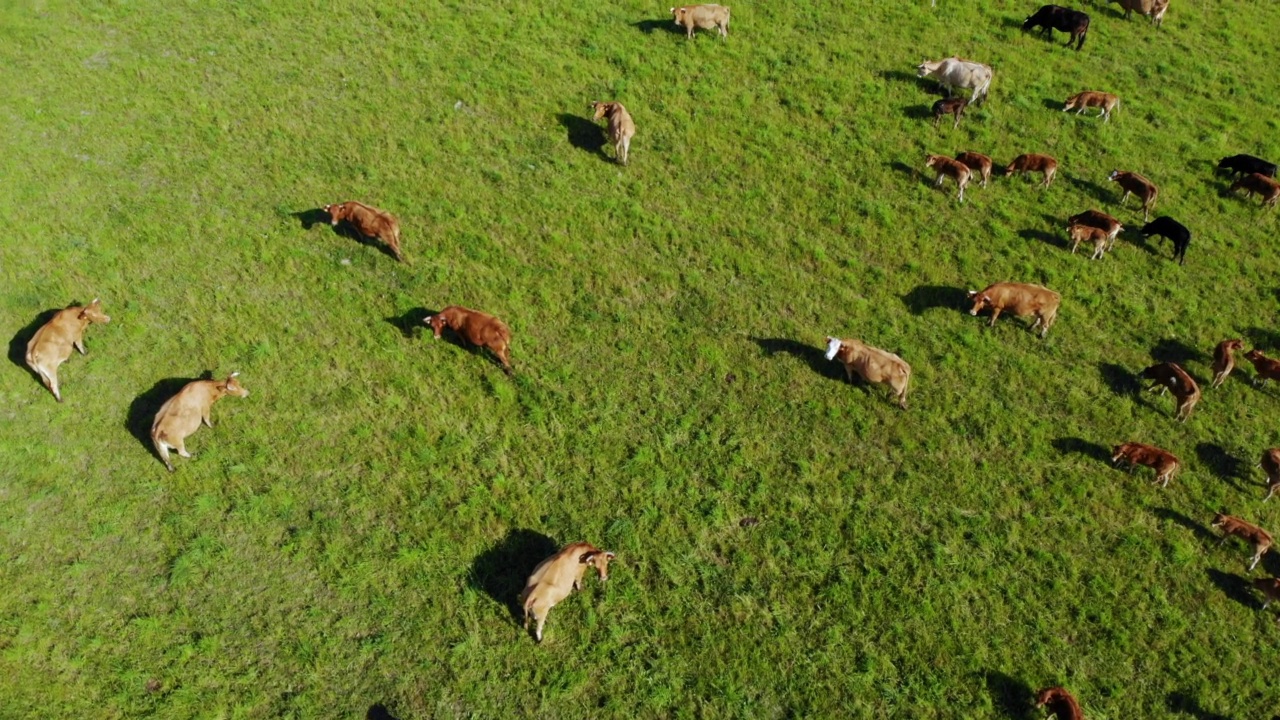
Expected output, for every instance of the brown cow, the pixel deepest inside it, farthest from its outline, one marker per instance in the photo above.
(1133, 454)
(1021, 299)
(978, 164)
(1106, 102)
(1135, 184)
(182, 414)
(1224, 359)
(1098, 219)
(476, 328)
(1032, 162)
(621, 127)
(949, 106)
(1258, 183)
(705, 17)
(1158, 9)
(1267, 368)
(947, 167)
(558, 576)
(52, 343)
(1270, 589)
(1078, 233)
(1171, 376)
(1270, 465)
(368, 222)
(872, 364)
(1061, 704)
(1246, 531)
(1144, 7)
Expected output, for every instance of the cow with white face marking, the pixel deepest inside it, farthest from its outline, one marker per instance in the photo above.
(873, 365)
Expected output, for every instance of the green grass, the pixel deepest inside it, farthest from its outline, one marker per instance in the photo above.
(353, 532)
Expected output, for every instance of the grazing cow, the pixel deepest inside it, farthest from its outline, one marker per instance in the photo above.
(1246, 165)
(1224, 359)
(978, 164)
(1258, 183)
(1133, 454)
(707, 17)
(1175, 231)
(182, 414)
(558, 576)
(1078, 233)
(476, 328)
(873, 364)
(947, 167)
(949, 106)
(955, 72)
(1021, 299)
(1032, 162)
(1270, 589)
(1134, 183)
(1267, 368)
(1246, 531)
(1144, 7)
(1171, 376)
(1106, 102)
(1270, 465)
(1056, 17)
(1098, 219)
(368, 222)
(621, 127)
(1060, 703)
(52, 343)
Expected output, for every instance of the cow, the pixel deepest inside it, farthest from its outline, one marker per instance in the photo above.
(1270, 589)
(1056, 17)
(1133, 454)
(476, 328)
(1247, 165)
(621, 127)
(1079, 233)
(872, 364)
(1133, 183)
(978, 164)
(706, 17)
(1106, 102)
(1175, 231)
(949, 106)
(955, 72)
(182, 414)
(368, 222)
(558, 576)
(1144, 7)
(1246, 531)
(1060, 703)
(51, 345)
(1224, 359)
(1032, 162)
(1021, 299)
(946, 167)
(1258, 183)
(1267, 368)
(1171, 376)
(1098, 219)
(1270, 465)
(1158, 9)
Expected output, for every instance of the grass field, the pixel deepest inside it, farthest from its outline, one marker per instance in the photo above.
(351, 536)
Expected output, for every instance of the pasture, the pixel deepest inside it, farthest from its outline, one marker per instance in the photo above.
(350, 538)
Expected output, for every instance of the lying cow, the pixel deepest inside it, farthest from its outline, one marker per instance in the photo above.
(978, 164)
(706, 17)
(1056, 17)
(182, 414)
(872, 364)
(1250, 533)
(621, 127)
(1247, 165)
(1060, 703)
(1133, 454)
(954, 72)
(558, 576)
(948, 168)
(1175, 231)
(1098, 219)
(368, 222)
(476, 328)
(1171, 376)
(1033, 162)
(1267, 368)
(51, 345)
(1021, 299)
(1224, 359)
(1135, 184)
(1106, 102)
(1258, 183)
(1270, 465)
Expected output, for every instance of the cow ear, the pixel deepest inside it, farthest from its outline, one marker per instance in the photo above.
(235, 374)
(609, 556)
(586, 557)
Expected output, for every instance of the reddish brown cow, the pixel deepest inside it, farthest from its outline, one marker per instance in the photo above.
(1267, 368)
(946, 167)
(1133, 183)
(1060, 703)
(1270, 465)
(1270, 589)
(949, 106)
(52, 343)
(1171, 376)
(1224, 359)
(1258, 183)
(1021, 299)
(1031, 162)
(1250, 533)
(476, 328)
(1162, 461)
(978, 164)
(1098, 219)
(368, 222)
(1106, 102)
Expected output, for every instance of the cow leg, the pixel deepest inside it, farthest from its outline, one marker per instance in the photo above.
(938, 182)
(207, 422)
(182, 448)
(995, 313)
(162, 449)
(1124, 197)
(541, 621)
(1271, 489)
(1256, 557)
(80, 346)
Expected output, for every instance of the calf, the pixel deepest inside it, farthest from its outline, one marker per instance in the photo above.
(1133, 454)
(1258, 183)
(621, 127)
(949, 106)
(872, 364)
(1270, 589)
(947, 167)
(558, 576)
(1106, 102)
(476, 328)
(1021, 299)
(1134, 183)
(1060, 703)
(1247, 165)
(1098, 219)
(1224, 359)
(1081, 233)
(1270, 465)
(1175, 231)
(368, 222)
(51, 345)
(978, 164)
(1055, 17)
(1031, 162)
(1267, 368)
(705, 17)
(1171, 376)
(1248, 532)
(182, 414)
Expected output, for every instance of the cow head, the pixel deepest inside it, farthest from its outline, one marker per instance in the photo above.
(598, 559)
(1234, 345)
(678, 14)
(1218, 520)
(337, 212)
(926, 66)
(833, 347)
(437, 322)
(1115, 175)
(1254, 354)
(233, 387)
(980, 301)
(93, 312)
(1117, 452)
(601, 109)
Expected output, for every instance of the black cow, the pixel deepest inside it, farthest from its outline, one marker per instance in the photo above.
(1056, 17)
(1246, 164)
(1166, 226)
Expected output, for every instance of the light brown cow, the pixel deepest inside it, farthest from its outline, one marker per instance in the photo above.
(706, 17)
(1171, 376)
(978, 164)
(476, 328)
(1224, 359)
(1021, 299)
(1080, 233)
(1133, 183)
(1133, 454)
(1032, 162)
(182, 414)
(1267, 368)
(1098, 219)
(52, 343)
(1270, 465)
(1258, 183)
(946, 167)
(368, 222)
(1106, 102)
(621, 127)
(1246, 531)
(558, 576)
(872, 364)
(1144, 7)
(1060, 703)
(1158, 9)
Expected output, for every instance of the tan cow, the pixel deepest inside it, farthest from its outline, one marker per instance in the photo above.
(1021, 299)
(1270, 465)
(1250, 533)
(1224, 359)
(1106, 102)
(621, 127)
(476, 328)
(182, 414)
(978, 164)
(368, 222)
(706, 17)
(558, 576)
(1098, 219)
(1033, 162)
(52, 343)
(1082, 233)
(873, 365)
(946, 167)
(1163, 462)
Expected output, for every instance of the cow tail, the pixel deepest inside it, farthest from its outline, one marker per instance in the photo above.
(985, 86)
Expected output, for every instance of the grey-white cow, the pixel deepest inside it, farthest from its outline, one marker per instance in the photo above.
(955, 72)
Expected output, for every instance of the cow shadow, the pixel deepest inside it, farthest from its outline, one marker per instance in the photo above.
(1235, 587)
(317, 216)
(584, 133)
(1051, 103)
(924, 297)
(411, 321)
(1173, 516)
(816, 357)
(1066, 445)
(1223, 464)
(501, 571)
(648, 27)
(1090, 188)
(928, 84)
(378, 711)
(143, 409)
(1180, 702)
(18, 345)
(1012, 697)
(310, 218)
(1175, 351)
(1044, 236)
(1119, 379)
(919, 112)
(910, 172)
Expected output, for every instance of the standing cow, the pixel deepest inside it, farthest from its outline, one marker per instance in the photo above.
(1171, 376)
(1021, 299)
(955, 72)
(1178, 233)
(872, 364)
(368, 222)
(52, 343)
(706, 17)
(621, 127)
(1056, 17)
